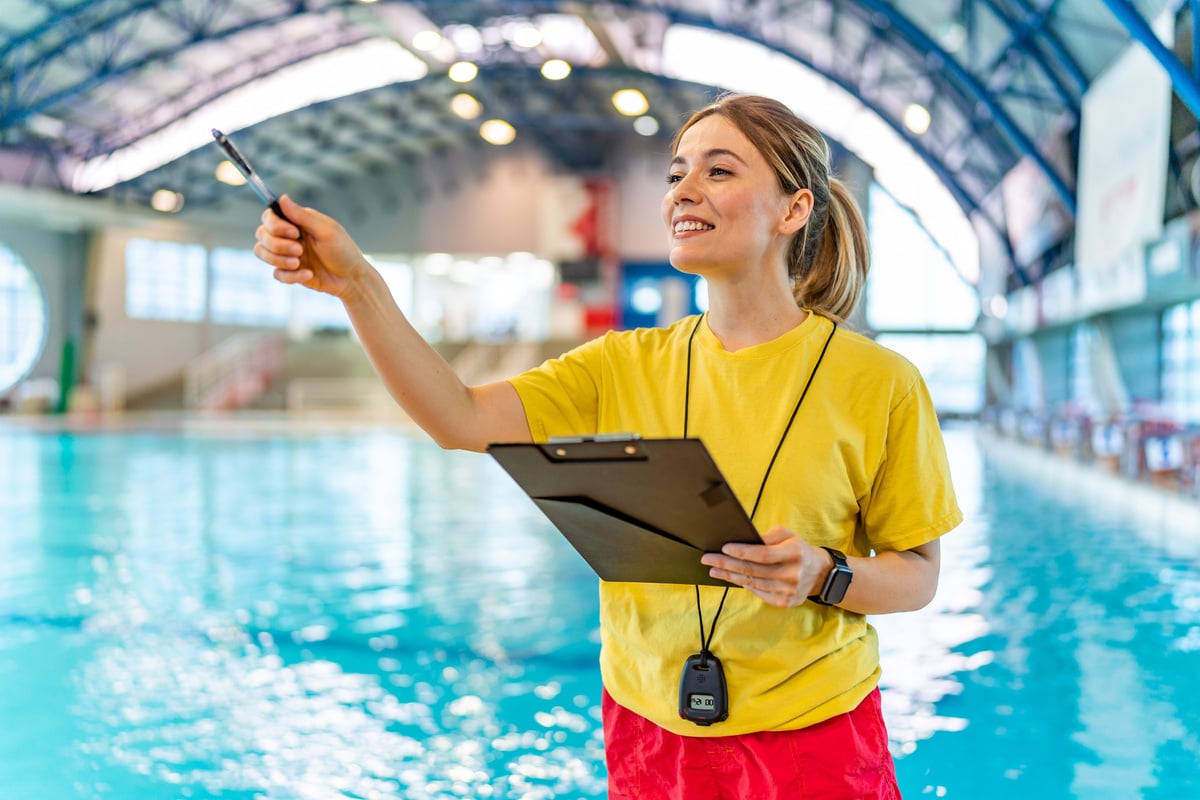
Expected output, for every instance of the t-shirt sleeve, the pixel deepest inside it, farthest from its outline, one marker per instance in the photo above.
(912, 500)
(562, 396)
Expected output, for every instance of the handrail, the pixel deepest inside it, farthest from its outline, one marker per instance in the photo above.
(233, 373)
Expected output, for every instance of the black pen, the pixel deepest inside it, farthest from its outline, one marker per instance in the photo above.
(243, 166)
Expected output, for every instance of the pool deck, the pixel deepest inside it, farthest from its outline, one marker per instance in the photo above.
(245, 423)
(1165, 519)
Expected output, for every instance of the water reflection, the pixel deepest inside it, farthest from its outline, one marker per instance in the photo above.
(349, 615)
(1082, 685)
(924, 654)
(327, 616)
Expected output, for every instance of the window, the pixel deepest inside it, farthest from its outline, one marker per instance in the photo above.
(1181, 361)
(952, 365)
(1027, 386)
(318, 311)
(165, 280)
(245, 292)
(230, 286)
(399, 279)
(321, 312)
(22, 319)
(912, 284)
(1083, 391)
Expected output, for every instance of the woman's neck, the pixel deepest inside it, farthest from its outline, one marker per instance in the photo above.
(747, 321)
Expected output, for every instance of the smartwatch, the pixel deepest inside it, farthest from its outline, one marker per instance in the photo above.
(833, 591)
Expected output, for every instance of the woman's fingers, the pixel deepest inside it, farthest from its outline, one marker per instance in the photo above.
(306, 247)
(293, 276)
(773, 571)
(283, 254)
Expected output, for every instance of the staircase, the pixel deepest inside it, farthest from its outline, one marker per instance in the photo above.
(234, 374)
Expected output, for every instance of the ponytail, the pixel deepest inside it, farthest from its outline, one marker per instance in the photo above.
(830, 257)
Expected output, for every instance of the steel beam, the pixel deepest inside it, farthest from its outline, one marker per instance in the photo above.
(1184, 82)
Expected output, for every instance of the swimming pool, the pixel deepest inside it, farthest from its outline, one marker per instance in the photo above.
(280, 611)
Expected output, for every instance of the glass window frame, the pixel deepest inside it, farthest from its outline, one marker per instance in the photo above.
(15, 310)
(167, 295)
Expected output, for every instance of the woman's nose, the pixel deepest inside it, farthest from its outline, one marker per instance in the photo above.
(682, 190)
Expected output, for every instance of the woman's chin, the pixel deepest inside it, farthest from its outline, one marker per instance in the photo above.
(684, 264)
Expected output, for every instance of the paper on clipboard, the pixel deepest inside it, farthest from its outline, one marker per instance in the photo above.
(640, 510)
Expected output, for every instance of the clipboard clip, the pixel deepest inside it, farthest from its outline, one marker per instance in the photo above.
(599, 437)
(598, 447)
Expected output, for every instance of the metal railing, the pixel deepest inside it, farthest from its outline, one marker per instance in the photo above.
(233, 374)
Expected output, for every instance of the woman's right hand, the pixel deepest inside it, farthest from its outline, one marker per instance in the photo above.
(310, 249)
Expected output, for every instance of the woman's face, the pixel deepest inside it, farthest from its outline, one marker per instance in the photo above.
(724, 210)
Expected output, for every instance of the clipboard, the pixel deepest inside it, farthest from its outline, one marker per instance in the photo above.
(640, 510)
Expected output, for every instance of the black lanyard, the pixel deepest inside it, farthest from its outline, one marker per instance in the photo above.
(705, 641)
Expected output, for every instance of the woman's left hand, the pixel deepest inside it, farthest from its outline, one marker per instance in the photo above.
(782, 572)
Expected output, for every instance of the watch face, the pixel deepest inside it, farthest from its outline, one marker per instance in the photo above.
(833, 591)
(837, 584)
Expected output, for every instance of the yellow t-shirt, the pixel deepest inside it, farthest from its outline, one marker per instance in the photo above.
(862, 469)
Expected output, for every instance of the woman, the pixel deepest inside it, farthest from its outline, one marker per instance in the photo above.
(830, 442)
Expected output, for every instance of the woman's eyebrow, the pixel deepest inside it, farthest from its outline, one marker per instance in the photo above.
(709, 155)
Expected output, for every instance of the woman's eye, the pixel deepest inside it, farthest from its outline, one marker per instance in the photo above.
(719, 171)
(674, 178)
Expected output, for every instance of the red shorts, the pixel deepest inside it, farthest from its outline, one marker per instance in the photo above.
(844, 758)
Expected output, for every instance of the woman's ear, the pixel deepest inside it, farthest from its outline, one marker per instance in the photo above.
(799, 207)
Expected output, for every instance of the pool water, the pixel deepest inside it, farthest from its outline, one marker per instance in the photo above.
(302, 612)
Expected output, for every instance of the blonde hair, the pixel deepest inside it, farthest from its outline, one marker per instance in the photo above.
(829, 256)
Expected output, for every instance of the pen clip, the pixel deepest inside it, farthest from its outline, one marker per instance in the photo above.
(232, 152)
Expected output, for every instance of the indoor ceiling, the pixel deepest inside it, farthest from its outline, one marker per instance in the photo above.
(81, 79)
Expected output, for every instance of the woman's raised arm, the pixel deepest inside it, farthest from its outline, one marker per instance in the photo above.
(314, 250)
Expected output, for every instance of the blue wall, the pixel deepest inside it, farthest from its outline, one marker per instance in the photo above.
(676, 290)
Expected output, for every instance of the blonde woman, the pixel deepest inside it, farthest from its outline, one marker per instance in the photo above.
(829, 440)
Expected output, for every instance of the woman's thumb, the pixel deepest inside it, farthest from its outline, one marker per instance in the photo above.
(776, 534)
(297, 214)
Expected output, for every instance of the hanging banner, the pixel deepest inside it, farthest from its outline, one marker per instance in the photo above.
(1124, 139)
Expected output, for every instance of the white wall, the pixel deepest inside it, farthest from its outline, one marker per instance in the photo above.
(641, 184)
(148, 352)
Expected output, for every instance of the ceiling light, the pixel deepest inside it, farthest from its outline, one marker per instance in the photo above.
(49, 127)
(555, 69)
(427, 40)
(166, 201)
(540, 275)
(630, 102)
(997, 306)
(438, 263)
(228, 173)
(466, 272)
(466, 106)
(916, 118)
(646, 126)
(466, 38)
(463, 71)
(497, 131)
(646, 298)
(527, 36)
